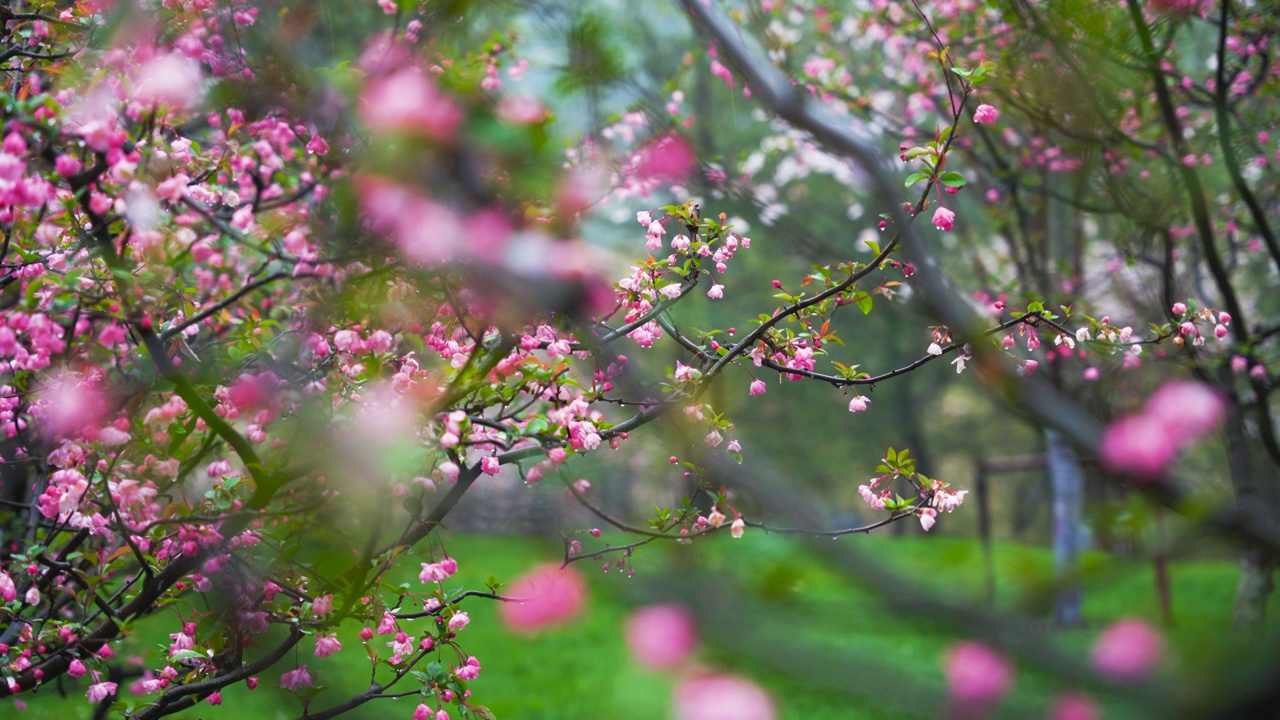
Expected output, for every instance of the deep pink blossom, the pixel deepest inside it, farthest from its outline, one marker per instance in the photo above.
(986, 115)
(943, 218)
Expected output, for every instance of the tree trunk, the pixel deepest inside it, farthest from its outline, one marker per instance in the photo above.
(1255, 497)
(1068, 530)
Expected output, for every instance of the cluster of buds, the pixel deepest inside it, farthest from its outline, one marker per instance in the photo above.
(1190, 319)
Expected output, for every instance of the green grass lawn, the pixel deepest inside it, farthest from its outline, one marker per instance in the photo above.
(823, 643)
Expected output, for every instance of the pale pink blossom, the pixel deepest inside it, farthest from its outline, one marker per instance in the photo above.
(716, 518)
(928, 516)
(758, 387)
(985, 115)
(660, 636)
(859, 403)
(168, 80)
(737, 528)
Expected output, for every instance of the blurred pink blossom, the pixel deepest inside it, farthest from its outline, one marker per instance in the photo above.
(1176, 416)
(551, 595)
(1074, 707)
(660, 636)
(169, 80)
(407, 100)
(667, 158)
(1127, 650)
(977, 676)
(711, 696)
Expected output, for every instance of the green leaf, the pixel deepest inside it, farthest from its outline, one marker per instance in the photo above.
(914, 178)
(864, 303)
(952, 179)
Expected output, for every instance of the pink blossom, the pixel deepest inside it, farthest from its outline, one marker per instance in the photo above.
(322, 605)
(470, 670)
(722, 72)
(660, 636)
(407, 100)
(977, 676)
(77, 669)
(737, 528)
(943, 218)
(423, 713)
(713, 696)
(550, 596)
(986, 115)
(716, 292)
(859, 403)
(459, 621)
(757, 387)
(296, 680)
(928, 516)
(100, 691)
(327, 645)
(1127, 650)
(489, 465)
